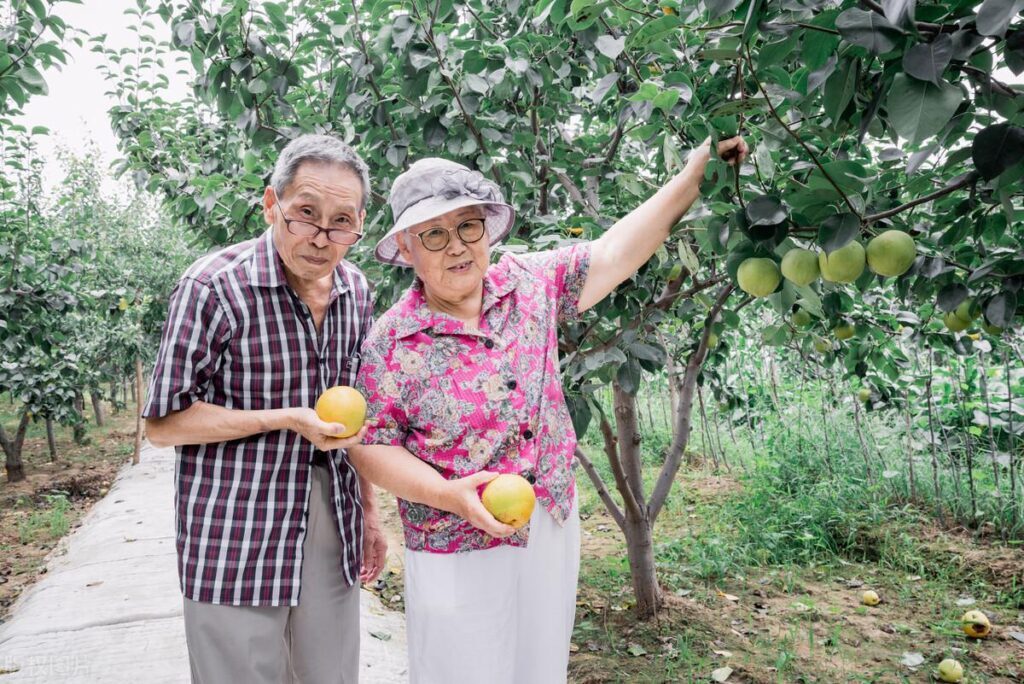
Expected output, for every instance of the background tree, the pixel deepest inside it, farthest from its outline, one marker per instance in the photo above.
(864, 118)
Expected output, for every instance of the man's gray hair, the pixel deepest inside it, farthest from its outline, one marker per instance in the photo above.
(319, 149)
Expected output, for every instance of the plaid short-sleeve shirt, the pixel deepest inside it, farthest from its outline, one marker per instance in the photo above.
(238, 336)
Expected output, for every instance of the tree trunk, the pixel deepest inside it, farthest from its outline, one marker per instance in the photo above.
(642, 569)
(627, 423)
(931, 437)
(78, 429)
(97, 407)
(1009, 437)
(137, 395)
(113, 396)
(993, 452)
(638, 525)
(910, 453)
(12, 450)
(50, 440)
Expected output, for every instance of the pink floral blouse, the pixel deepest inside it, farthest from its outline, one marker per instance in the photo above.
(489, 400)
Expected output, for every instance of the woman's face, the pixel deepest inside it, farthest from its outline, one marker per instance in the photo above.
(454, 273)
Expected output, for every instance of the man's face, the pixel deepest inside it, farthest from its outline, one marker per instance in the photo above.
(456, 271)
(327, 195)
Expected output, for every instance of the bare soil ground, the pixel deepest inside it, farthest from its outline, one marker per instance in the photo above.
(38, 511)
(805, 624)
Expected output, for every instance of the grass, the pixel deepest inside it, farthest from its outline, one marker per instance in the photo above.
(795, 522)
(49, 523)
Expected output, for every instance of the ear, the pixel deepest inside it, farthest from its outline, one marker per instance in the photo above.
(269, 199)
(403, 246)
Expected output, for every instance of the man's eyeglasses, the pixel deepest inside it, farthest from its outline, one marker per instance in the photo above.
(435, 239)
(338, 236)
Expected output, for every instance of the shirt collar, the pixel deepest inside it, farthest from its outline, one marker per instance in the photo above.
(267, 269)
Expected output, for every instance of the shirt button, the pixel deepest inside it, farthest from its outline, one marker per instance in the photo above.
(511, 384)
(528, 434)
(489, 343)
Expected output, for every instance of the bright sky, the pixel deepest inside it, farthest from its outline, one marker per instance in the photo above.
(75, 110)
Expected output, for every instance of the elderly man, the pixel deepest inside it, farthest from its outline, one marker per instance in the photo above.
(274, 527)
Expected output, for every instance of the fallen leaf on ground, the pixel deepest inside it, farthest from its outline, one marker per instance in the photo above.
(721, 674)
(911, 659)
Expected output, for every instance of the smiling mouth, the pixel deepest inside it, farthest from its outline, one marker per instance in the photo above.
(461, 268)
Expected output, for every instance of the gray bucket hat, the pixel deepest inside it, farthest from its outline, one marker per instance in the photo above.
(434, 186)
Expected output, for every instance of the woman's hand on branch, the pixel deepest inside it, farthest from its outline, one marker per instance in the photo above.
(732, 151)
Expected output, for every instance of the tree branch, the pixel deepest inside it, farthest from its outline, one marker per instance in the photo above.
(370, 79)
(483, 25)
(810, 152)
(663, 302)
(968, 179)
(986, 78)
(602, 490)
(681, 429)
(429, 33)
(611, 450)
(576, 194)
(629, 441)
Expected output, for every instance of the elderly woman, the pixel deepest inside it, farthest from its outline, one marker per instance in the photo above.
(462, 380)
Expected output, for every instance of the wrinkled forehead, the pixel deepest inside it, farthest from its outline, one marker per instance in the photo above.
(325, 185)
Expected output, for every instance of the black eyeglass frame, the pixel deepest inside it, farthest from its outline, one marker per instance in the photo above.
(448, 234)
(319, 229)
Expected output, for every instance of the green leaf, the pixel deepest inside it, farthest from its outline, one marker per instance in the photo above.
(899, 12)
(580, 412)
(687, 257)
(997, 148)
(868, 30)
(34, 80)
(647, 352)
(717, 8)
(654, 30)
(766, 210)
(950, 296)
(666, 99)
(647, 92)
(628, 376)
(603, 86)
(610, 47)
(918, 110)
(477, 83)
(1000, 309)
(750, 23)
(838, 231)
(839, 90)
(994, 16)
(38, 8)
(926, 62)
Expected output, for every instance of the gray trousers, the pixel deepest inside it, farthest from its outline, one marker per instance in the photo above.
(315, 642)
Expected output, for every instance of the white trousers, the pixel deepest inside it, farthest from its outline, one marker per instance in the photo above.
(500, 616)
